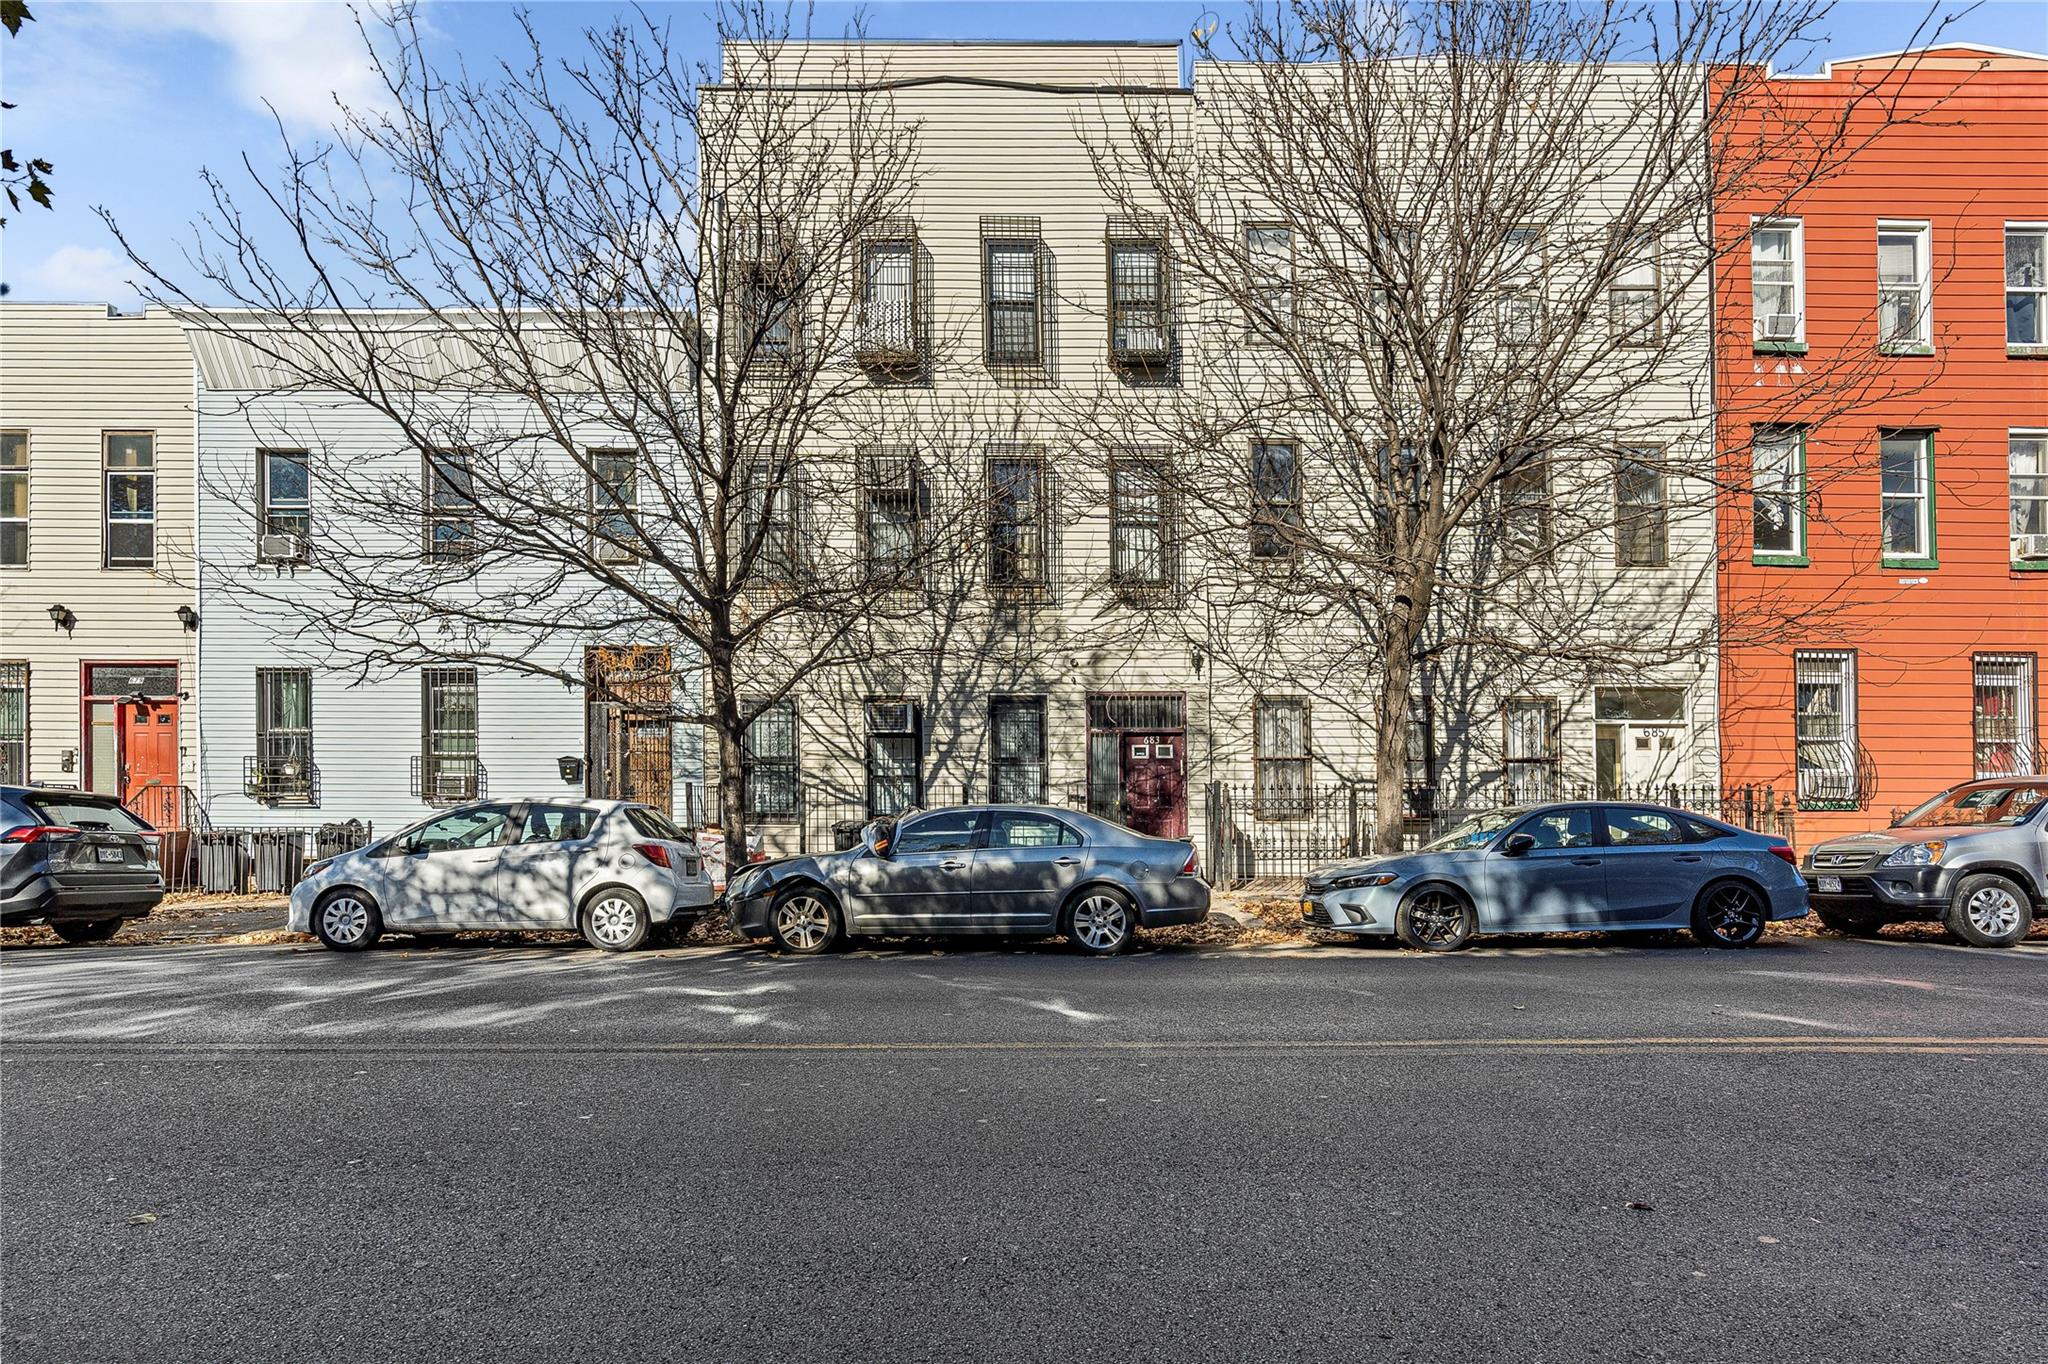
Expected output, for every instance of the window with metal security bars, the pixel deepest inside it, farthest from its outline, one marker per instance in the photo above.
(13, 499)
(1777, 277)
(614, 505)
(1904, 311)
(282, 771)
(130, 526)
(767, 299)
(1140, 525)
(1017, 750)
(895, 758)
(1140, 331)
(2026, 284)
(1905, 462)
(1111, 715)
(449, 772)
(1017, 521)
(1641, 523)
(1013, 292)
(1777, 494)
(451, 505)
(892, 514)
(1276, 500)
(889, 330)
(1824, 729)
(2027, 466)
(768, 761)
(1280, 757)
(1525, 504)
(768, 520)
(2004, 721)
(14, 723)
(1529, 753)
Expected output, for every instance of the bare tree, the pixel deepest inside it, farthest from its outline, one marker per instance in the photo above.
(1451, 269)
(609, 310)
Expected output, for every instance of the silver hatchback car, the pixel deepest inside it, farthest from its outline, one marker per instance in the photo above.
(611, 869)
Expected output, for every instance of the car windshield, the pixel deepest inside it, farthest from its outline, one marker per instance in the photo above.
(83, 812)
(2006, 803)
(1470, 833)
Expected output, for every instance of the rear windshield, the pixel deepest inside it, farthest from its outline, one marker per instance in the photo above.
(653, 823)
(2002, 804)
(83, 812)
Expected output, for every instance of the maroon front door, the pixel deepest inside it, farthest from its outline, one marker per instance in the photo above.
(1155, 784)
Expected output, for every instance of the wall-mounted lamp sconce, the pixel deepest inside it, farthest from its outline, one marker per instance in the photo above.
(188, 618)
(1195, 660)
(63, 618)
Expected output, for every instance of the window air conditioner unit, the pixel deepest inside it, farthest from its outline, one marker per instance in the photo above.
(1780, 326)
(281, 549)
(458, 785)
(891, 717)
(2030, 548)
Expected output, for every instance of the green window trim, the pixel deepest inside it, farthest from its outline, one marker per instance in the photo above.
(1778, 348)
(1932, 559)
(1801, 558)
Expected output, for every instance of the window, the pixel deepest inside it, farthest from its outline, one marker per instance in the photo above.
(1571, 828)
(2026, 284)
(13, 723)
(283, 770)
(449, 770)
(614, 505)
(892, 520)
(768, 312)
(2003, 719)
(557, 824)
(1269, 248)
(1280, 757)
(1632, 295)
(1138, 523)
(1640, 510)
(483, 827)
(1529, 754)
(2027, 455)
(1525, 504)
(943, 831)
(1521, 279)
(768, 519)
(895, 757)
(1777, 494)
(1017, 750)
(1011, 282)
(1904, 317)
(1628, 828)
(1029, 831)
(1906, 476)
(13, 499)
(1017, 530)
(1777, 282)
(888, 299)
(131, 500)
(287, 504)
(768, 761)
(1276, 500)
(1824, 728)
(451, 505)
(1137, 302)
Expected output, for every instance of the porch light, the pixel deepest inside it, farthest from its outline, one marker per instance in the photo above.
(188, 618)
(62, 618)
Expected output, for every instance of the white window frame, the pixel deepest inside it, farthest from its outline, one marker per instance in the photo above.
(2039, 290)
(108, 473)
(1844, 791)
(1922, 285)
(1269, 251)
(1797, 228)
(1923, 552)
(2020, 674)
(10, 474)
(1790, 488)
(1519, 309)
(2035, 500)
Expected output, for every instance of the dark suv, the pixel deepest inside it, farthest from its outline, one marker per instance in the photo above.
(80, 862)
(1975, 858)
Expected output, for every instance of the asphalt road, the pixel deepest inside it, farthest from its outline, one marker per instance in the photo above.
(1812, 1151)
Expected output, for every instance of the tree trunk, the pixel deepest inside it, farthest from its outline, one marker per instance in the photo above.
(1391, 707)
(730, 728)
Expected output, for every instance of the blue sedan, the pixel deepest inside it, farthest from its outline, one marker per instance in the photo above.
(1560, 868)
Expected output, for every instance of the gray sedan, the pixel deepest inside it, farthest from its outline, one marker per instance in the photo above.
(1017, 870)
(1567, 867)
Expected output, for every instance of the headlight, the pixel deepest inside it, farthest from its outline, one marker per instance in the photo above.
(1362, 880)
(315, 868)
(1915, 855)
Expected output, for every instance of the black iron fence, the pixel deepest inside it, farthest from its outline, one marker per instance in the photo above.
(244, 861)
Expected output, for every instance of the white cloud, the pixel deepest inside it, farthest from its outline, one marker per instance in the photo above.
(82, 274)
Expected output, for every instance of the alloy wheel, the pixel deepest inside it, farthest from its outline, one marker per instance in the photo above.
(804, 923)
(345, 919)
(1436, 916)
(1994, 911)
(1101, 923)
(1735, 915)
(613, 919)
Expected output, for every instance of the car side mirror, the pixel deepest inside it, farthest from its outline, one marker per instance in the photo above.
(1517, 845)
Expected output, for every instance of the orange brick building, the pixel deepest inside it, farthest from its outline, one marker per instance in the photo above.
(1882, 388)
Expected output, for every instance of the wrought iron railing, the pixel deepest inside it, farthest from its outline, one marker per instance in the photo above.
(444, 779)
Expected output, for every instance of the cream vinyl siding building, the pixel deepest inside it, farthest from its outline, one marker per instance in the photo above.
(97, 668)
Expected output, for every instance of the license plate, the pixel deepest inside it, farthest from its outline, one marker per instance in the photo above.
(1828, 885)
(110, 854)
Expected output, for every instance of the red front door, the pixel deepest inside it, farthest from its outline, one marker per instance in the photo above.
(1155, 784)
(149, 760)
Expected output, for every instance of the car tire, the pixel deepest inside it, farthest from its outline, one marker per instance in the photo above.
(1730, 914)
(803, 921)
(1435, 918)
(1989, 911)
(86, 930)
(1848, 925)
(1101, 921)
(614, 919)
(347, 920)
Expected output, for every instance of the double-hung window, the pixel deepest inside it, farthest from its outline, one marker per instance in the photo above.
(449, 770)
(283, 771)
(1904, 302)
(1529, 753)
(768, 761)
(895, 757)
(1777, 282)
(13, 499)
(1017, 760)
(768, 519)
(1017, 521)
(1138, 526)
(1777, 494)
(287, 504)
(2004, 723)
(1525, 504)
(614, 505)
(1276, 499)
(768, 311)
(1906, 475)
(1521, 286)
(451, 505)
(1632, 294)
(1641, 510)
(1280, 757)
(891, 515)
(2026, 284)
(1824, 728)
(1269, 250)
(1011, 283)
(2027, 464)
(130, 536)
(1138, 332)
(888, 299)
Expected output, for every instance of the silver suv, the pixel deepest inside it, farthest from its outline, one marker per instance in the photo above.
(1975, 858)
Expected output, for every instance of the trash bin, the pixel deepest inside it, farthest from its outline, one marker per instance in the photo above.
(223, 863)
(280, 860)
(846, 833)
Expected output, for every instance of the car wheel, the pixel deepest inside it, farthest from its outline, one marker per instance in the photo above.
(1435, 919)
(1989, 911)
(1729, 914)
(86, 930)
(1848, 925)
(614, 920)
(1101, 922)
(803, 921)
(347, 921)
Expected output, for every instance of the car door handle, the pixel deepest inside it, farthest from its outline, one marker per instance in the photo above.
(1687, 857)
(1585, 861)
(950, 865)
(1065, 861)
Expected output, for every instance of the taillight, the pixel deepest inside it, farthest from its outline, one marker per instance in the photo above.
(653, 852)
(1193, 866)
(30, 833)
(1784, 850)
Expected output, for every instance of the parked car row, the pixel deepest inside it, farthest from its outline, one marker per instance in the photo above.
(1974, 858)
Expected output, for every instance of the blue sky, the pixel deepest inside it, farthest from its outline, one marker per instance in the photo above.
(131, 100)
